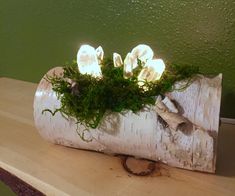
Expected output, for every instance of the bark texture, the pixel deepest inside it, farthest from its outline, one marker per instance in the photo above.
(181, 130)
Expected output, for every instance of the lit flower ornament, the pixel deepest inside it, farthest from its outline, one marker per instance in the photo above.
(100, 54)
(117, 60)
(88, 60)
(142, 52)
(152, 71)
(152, 68)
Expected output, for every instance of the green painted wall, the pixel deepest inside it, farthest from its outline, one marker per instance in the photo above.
(5, 190)
(38, 34)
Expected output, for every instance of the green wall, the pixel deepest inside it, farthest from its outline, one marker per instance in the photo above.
(38, 34)
(5, 190)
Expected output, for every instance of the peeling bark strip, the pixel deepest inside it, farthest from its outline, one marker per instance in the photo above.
(186, 141)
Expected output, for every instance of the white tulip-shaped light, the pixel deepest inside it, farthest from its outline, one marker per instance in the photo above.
(142, 52)
(152, 71)
(100, 54)
(117, 60)
(88, 62)
(130, 63)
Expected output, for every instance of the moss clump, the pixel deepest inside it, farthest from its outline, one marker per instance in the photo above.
(87, 99)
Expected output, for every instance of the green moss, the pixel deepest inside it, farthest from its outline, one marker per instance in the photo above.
(87, 99)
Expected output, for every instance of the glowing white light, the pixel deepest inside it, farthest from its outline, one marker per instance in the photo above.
(152, 71)
(117, 60)
(142, 52)
(130, 63)
(88, 62)
(100, 54)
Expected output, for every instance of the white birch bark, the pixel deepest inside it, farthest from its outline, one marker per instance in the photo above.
(142, 135)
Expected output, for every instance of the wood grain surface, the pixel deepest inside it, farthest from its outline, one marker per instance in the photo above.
(57, 170)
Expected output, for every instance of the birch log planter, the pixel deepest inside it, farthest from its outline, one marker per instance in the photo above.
(181, 130)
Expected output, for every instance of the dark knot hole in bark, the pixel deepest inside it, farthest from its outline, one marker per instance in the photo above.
(138, 167)
(186, 127)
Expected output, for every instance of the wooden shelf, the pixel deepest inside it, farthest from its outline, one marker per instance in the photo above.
(58, 170)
